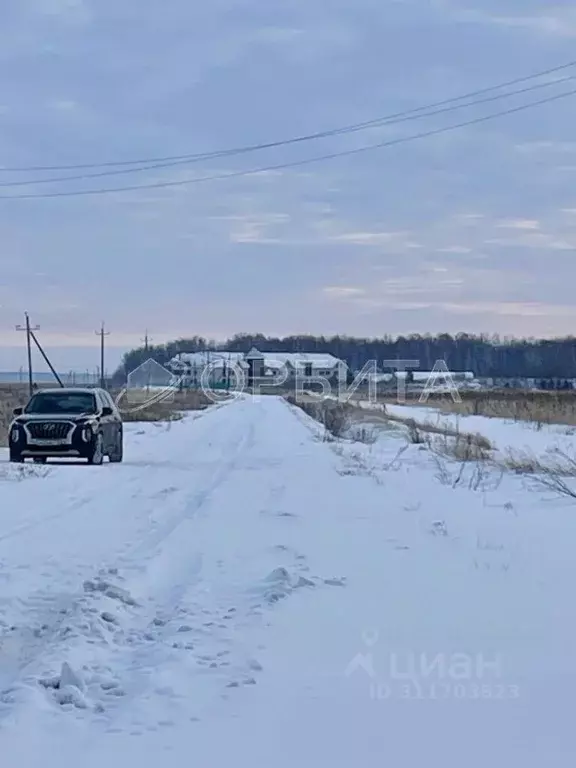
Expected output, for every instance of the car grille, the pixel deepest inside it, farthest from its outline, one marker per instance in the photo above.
(49, 430)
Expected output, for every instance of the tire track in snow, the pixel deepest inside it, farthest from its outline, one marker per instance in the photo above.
(73, 506)
(121, 484)
(203, 643)
(54, 614)
(167, 550)
(175, 570)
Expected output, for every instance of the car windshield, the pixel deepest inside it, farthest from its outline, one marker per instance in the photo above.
(62, 402)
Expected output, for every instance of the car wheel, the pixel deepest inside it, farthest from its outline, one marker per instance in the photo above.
(118, 453)
(16, 458)
(97, 455)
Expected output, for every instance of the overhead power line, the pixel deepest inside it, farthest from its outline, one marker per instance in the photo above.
(307, 137)
(382, 122)
(295, 163)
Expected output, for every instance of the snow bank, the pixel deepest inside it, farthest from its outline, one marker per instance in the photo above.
(504, 434)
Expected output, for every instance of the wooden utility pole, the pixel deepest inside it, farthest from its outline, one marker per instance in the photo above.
(45, 356)
(147, 341)
(102, 333)
(146, 349)
(28, 329)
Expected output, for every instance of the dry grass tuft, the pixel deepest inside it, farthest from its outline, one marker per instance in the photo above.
(11, 396)
(342, 419)
(334, 416)
(539, 408)
(363, 434)
(555, 473)
(462, 447)
(415, 435)
(134, 406)
(554, 460)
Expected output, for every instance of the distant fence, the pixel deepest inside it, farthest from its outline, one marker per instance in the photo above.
(70, 379)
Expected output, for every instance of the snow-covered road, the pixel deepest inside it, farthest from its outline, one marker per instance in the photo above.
(239, 592)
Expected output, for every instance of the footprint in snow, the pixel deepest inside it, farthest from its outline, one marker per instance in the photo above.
(339, 582)
(439, 528)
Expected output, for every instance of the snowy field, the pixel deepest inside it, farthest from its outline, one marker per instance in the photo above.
(504, 434)
(240, 592)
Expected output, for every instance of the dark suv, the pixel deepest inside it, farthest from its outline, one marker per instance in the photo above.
(67, 422)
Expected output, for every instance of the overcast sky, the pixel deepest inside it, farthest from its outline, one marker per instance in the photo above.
(471, 230)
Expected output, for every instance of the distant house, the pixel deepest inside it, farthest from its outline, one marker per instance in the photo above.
(219, 368)
(208, 367)
(305, 364)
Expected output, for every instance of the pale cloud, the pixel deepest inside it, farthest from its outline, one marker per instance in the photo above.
(252, 233)
(468, 219)
(400, 292)
(454, 249)
(420, 285)
(368, 238)
(72, 12)
(469, 216)
(374, 305)
(257, 229)
(342, 291)
(538, 240)
(561, 25)
(540, 18)
(527, 224)
(518, 309)
(546, 147)
(406, 306)
(407, 286)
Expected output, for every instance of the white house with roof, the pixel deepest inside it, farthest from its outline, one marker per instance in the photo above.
(207, 367)
(307, 364)
(222, 367)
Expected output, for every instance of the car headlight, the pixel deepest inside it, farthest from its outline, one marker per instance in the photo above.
(86, 433)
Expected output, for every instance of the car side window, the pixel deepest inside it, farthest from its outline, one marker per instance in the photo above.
(100, 400)
(108, 400)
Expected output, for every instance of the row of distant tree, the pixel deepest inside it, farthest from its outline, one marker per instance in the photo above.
(484, 355)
